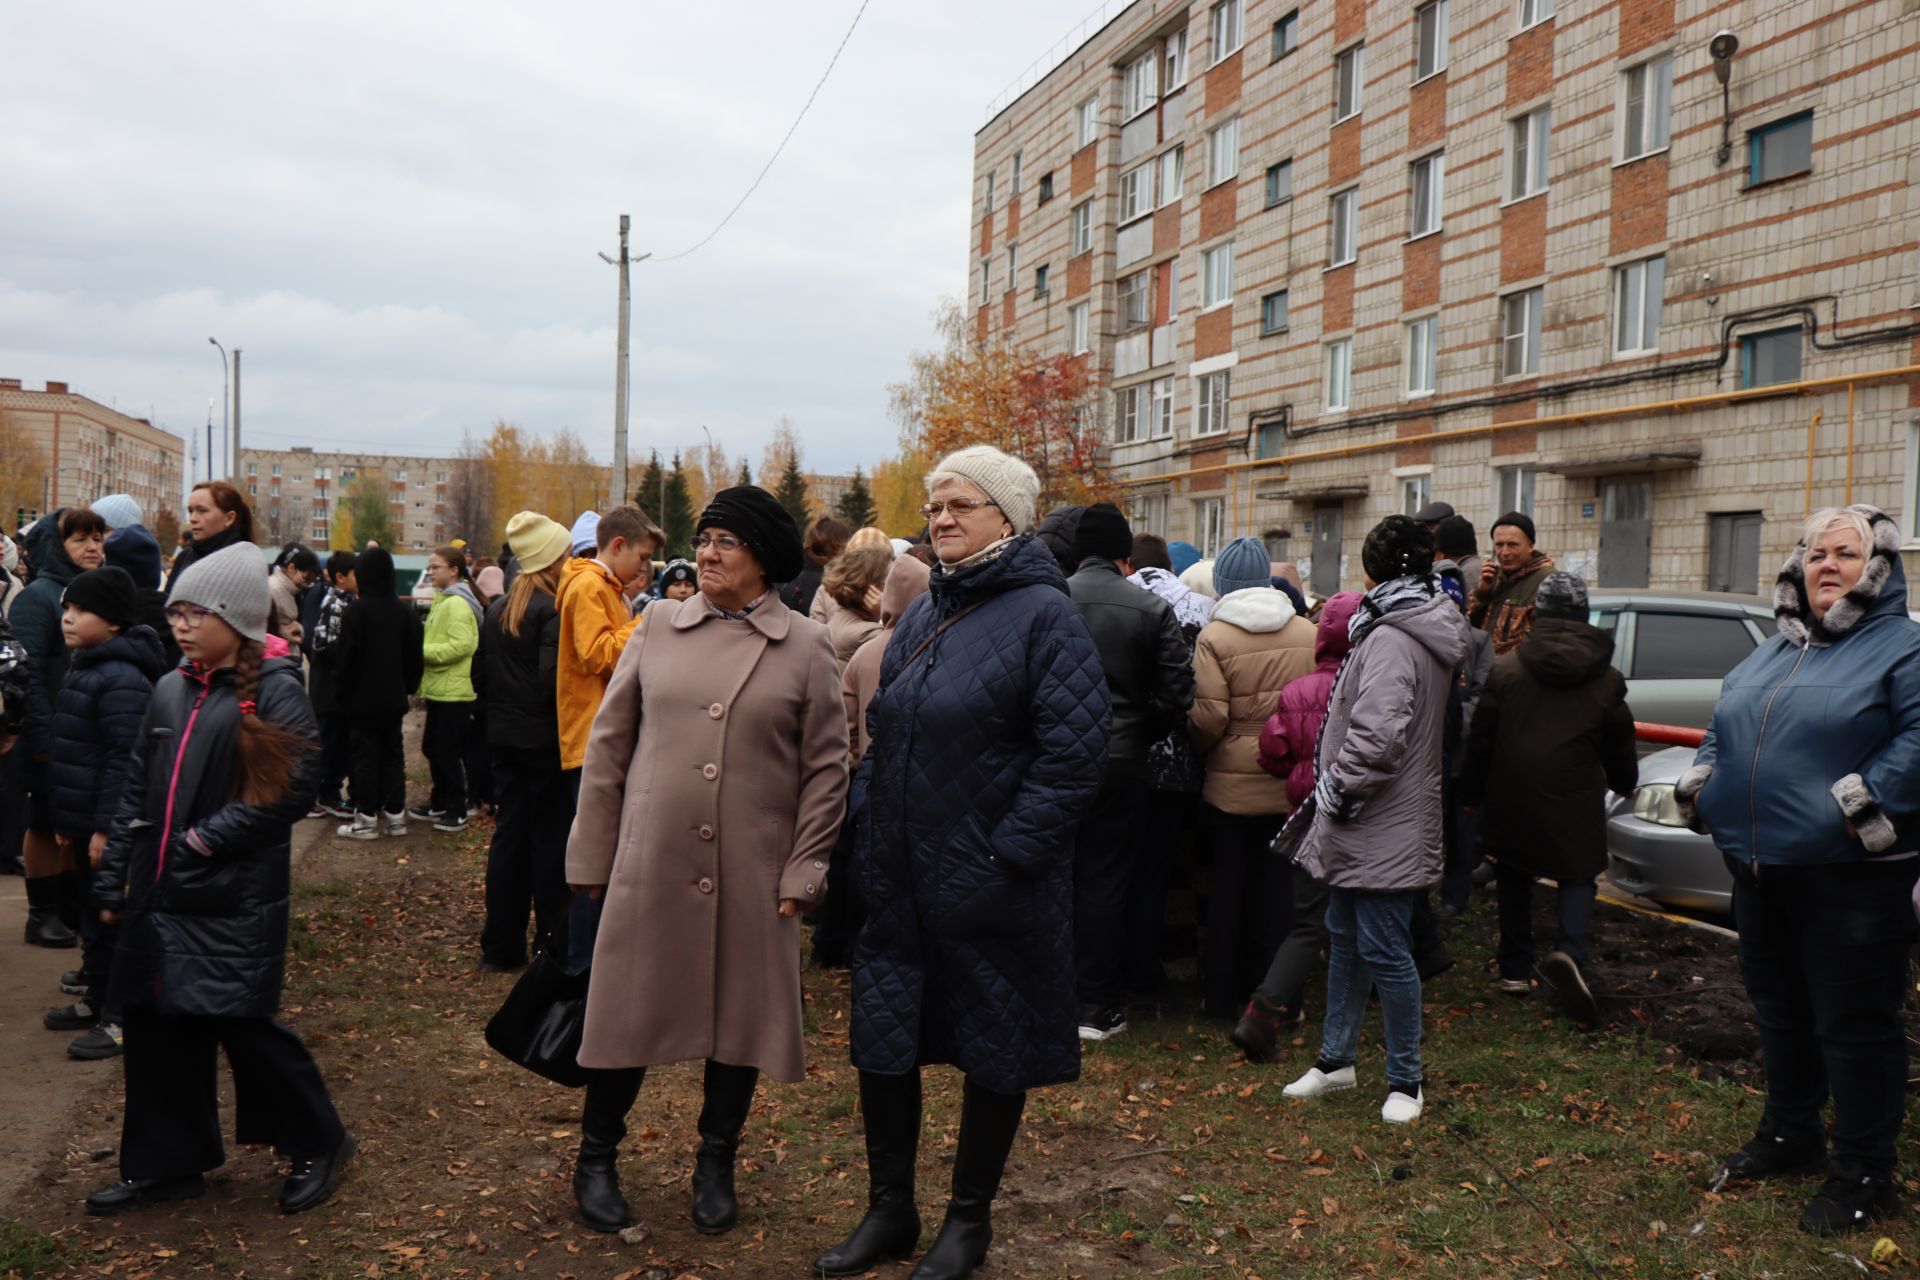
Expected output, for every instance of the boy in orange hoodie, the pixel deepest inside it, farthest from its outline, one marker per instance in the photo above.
(595, 622)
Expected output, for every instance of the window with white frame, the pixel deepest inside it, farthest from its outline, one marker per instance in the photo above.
(1340, 374)
(1532, 11)
(1527, 144)
(1210, 396)
(989, 191)
(1086, 123)
(1349, 81)
(1136, 192)
(1131, 406)
(1148, 514)
(1013, 267)
(1910, 495)
(1423, 355)
(1430, 39)
(1013, 187)
(1173, 287)
(1415, 492)
(1343, 224)
(1139, 84)
(1079, 331)
(1638, 289)
(1513, 489)
(1216, 276)
(1429, 183)
(1223, 151)
(1082, 222)
(1172, 171)
(1136, 299)
(1646, 107)
(986, 281)
(1209, 526)
(1520, 332)
(1223, 27)
(1173, 60)
(1162, 407)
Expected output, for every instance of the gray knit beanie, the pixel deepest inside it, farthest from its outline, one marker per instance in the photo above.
(1011, 483)
(1561, 595)
(1242, 565)
(231, 584)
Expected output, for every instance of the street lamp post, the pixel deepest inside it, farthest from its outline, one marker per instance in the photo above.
(224, 392)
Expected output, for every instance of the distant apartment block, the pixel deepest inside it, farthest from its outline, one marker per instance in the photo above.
(1333, 260)
(296, 493)
(92, 450)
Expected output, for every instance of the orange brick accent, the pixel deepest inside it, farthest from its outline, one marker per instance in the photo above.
(1349, 21)
(1427, 113)
(1644, 22)
(1013, 219)
(1084, 162)
(1006, 307)
(1639, 210)
(1223, 84)
(1530, 64)
(1166, 230)
(1523, 240)
(980, 325)
(1216, 211)
(1079, 274)
(1343, 153)
(1509, 443)
(1418, 455)
(1213, 333)
(1420, 273)
(1336, 303)
(1214, 480)
(986, 236)
(1162, 293)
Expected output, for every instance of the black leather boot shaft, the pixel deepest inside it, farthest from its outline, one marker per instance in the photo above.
(989, 1122)
(44, 926)
(603, 1123)
(729, 1096)
(890, 1106)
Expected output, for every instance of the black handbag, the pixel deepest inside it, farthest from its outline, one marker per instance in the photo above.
(539, 1025)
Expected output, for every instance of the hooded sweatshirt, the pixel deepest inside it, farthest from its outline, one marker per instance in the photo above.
(1293, 730)
(451, 639)
(36, 625)
(595, 625)
(907, 581)
(377, 658)
(1255, 647)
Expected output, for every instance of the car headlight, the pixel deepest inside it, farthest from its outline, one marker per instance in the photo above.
(1656, 804)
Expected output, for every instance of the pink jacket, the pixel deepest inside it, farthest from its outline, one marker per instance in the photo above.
(1287, 742)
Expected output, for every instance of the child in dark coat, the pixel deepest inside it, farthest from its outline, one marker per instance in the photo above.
(377, 664)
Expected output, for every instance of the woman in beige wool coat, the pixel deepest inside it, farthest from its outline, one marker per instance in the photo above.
(713, 789)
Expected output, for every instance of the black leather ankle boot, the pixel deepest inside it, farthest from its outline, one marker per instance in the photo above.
(603, 1123)
(729, 1096)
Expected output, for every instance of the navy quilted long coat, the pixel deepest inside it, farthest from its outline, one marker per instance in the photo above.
(986, 749)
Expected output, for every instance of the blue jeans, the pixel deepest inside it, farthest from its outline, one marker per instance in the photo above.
(1371, 942)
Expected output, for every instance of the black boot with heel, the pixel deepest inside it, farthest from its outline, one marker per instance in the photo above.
(890, 1106)
(729, 1096)
(989, 1122)
(603, 1123)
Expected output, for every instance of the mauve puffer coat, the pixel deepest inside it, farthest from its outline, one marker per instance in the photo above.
(1293, 730)
(1381, 750)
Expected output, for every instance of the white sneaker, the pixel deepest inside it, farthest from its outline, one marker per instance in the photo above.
(1401, 1109)
(1317, 1083)
(363, 827)
(397, 823)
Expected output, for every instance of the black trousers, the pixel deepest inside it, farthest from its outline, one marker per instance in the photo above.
(842, 914)
(449, 725)
(1249, 907)
(527, 862)
(479, 758)
(13, 803)
(1823, 951)
(1168, 817)
(336, 755)
(172, 1124)
(1104, 854)
(379, 766)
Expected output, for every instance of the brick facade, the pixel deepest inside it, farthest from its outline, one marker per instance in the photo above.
(93, 450)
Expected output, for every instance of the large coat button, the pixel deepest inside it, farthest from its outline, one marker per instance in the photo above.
(706, 885)
(706, 833)
(710, 772)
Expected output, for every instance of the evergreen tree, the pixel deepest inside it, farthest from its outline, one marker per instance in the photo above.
(746, 476)
(678, 520)
(792, 493)
(856, 504)
(644, 492)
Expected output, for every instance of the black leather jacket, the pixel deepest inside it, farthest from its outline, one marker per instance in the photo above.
(1148, 666)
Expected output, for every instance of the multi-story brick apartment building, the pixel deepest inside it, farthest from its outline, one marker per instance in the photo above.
(1332, 260)
(92, 450)
(297, 492)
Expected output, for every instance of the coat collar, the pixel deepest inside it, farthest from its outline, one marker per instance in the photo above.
(772, 619)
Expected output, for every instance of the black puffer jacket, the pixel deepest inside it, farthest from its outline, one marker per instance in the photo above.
(377, 660)
(96, 722)
(199, 549)
(204, 933)
(36, 625)
(1148, 666)
(514, 677)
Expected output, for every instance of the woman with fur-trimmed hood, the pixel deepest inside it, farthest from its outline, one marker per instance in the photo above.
(1809, 782)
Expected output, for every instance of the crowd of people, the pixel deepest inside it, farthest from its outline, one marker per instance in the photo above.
(972, 760)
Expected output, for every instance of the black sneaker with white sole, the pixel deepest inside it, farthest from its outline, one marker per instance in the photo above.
(1101, 1023)
(449, 822)
(420, 813)
(1569, 989)
(1851, 1198)
(73, 983)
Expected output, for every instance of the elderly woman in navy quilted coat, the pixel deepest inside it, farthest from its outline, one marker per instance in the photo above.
(989, 737)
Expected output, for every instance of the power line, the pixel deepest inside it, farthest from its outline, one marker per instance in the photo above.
(783, 142)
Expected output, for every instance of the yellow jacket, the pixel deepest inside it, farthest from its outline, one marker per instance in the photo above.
(594, 626)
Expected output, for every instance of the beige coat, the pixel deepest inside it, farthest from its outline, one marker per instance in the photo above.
(714, 785)
(848, 629)
(1252, 649)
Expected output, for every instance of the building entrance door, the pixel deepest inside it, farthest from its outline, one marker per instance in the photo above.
(1626, 531)
(1326, 549)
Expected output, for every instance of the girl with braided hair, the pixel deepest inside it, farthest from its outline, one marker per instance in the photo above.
(196, 874)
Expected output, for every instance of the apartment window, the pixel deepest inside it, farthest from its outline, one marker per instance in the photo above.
(1780, 150)
(1733, 552)
(1139, 85)
(1210, 403)
(1040, 282)
(1149, 514)
(1429, 181)
(1209, 526)
(1520, 332)
(1223, 151)
(1343, 219)
(1174, 60)
(1130, 414)
(1286, 35)
(1279, 183)
(1136, 192)
(1349, 76)
(1078, 327)
(1216, 276)
(1086, 122)
(1013, 267)
(1911, 494)
(1637, 290)
(1172, 172)
(253, 468)
(276, 468)
(1046, 186)
(1162, 407)
(1224, 28)
(1430, 39)
(986, 282)
(1415, 493)
(1082, 226)
(1527, 152)
(1532, 11)
(1513, 489)
(989, 191)
(1013, 188)
(1770, 357)
(1273, 312)
(1646, 107)
(1423, 355)
(1340, 374)
(1135, 299)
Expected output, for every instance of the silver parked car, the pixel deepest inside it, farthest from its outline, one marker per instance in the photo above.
(1652, 853)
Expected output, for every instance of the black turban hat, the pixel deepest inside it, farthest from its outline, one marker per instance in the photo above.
(758, 519)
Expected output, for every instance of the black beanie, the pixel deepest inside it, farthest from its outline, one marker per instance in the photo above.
(108, 592)
(1103, 531)
(1519, 520)
(1396, 547)
(758, 519)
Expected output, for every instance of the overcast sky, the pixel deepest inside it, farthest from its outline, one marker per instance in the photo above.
(394, 209)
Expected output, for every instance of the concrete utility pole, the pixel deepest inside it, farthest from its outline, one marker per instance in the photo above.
(619, 493)
(236, 415)
(212, 463)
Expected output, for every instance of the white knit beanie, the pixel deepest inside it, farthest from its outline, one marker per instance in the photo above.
(1011, 483)
(119, 510)
(231, 584)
